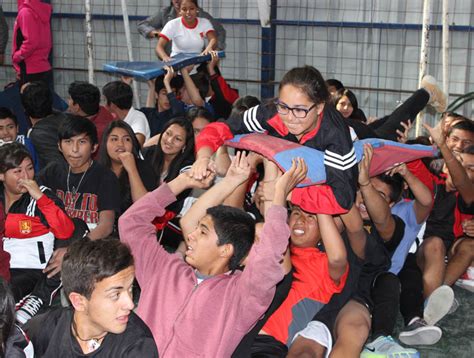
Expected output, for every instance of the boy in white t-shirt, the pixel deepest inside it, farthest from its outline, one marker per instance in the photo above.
(119, 96)
(186, 33)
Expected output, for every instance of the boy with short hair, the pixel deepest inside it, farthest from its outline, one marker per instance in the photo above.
(89, 190)
(203, 306)
(84, 101)
(37, 100)
(98, 281)
(119, 96)
(9, 133)
(162, 104)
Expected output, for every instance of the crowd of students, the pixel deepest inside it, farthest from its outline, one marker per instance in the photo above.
(137, 232)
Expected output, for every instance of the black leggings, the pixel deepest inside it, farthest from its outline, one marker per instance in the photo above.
(386, 127)
(411, 295)
(385, 295)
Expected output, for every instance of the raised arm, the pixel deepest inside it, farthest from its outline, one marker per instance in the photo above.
(458, 174)
(355, 231)
(377, 208)
(212, 42)
(160, 49)
(423, 198)
(335, 249)
(263, 269)
(193, 91)
(238, 173)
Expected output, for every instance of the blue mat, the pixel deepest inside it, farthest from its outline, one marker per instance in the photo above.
(152, 69)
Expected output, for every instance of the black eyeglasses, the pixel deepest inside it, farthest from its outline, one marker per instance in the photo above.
(297, 112)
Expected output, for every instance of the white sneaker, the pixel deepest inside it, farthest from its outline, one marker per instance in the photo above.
(418, 332)
(387, 347)
(438, 304)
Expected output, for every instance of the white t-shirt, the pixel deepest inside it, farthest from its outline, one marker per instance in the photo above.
(185, 38)
(137, 120)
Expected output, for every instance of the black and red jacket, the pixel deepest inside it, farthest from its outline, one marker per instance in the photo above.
(224, 96)
(31, 226)
(331, 136)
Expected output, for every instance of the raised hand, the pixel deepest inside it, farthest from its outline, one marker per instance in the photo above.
(32, 187)
(437, 133)
(169, 74)
(212, 64)
(288, 181)
(399, 169)
(403, 135)
(240, 169)
(364, 165)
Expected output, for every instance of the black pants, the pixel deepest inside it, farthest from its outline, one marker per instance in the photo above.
(411, 295)
(385, 295)
(26, 281)
(385, 127)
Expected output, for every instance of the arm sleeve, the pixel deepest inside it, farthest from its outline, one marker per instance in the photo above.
(223, 97)
(340, 163)
(58, 221)
(251, 121)
(151, 23)
(168, 32)
(30, 30)
(137, 231)
(206, 26)
(218, 28)
(397, 236)
(419, 169)
(177, 106)
(263, 270)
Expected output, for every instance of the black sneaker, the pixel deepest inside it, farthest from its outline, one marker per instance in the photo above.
(418, 333)
(29, 307)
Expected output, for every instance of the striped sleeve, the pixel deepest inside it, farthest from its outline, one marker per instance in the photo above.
(338, 161)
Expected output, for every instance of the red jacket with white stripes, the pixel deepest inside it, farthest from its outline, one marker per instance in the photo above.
(331, 136)
(31, 227)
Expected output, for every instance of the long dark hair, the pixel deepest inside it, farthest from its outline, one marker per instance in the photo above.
(182, 158)
(7, 314)
(104, 157)
(356, 111)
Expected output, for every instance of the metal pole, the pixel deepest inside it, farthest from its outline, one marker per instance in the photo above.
(425, 37)
(267, 12)
(126, 25)
(446, 47)
(90, 58)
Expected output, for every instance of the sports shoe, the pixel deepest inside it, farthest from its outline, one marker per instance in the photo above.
(438, 99)
(418, 332)
(438, 304)
(387, 347)
(467, 284)
(28, 309)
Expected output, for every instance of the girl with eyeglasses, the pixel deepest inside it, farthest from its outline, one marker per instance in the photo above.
(300, 114)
